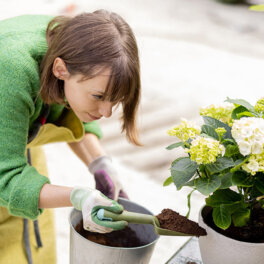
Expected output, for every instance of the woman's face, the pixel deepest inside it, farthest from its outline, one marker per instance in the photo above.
(85, 97)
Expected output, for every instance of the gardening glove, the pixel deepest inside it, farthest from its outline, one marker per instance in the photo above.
(89, 201)
(106, 178)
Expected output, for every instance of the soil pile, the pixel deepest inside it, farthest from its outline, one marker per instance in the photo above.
(172, 220)
(121, 238)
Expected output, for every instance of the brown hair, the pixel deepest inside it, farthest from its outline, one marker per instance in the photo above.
(90, 42)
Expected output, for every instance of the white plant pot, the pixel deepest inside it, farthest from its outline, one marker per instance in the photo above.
(216, 248)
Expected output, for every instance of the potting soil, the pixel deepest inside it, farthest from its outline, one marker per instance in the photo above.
(122, 238)
(172, 220)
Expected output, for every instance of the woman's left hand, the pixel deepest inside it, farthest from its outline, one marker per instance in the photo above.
(106, 178)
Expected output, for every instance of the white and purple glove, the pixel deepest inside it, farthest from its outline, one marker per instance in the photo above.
(90, 201)
(106, 178)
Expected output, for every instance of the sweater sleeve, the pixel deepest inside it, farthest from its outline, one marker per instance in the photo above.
(94, 128)
(20, 183)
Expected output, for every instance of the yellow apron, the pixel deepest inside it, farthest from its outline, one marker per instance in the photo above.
(12, 249)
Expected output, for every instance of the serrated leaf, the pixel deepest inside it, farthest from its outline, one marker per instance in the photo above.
(223, 196)
(175, 145)
(182, 171)
(219, 165)
(216, 123)
(209, 131)
(221, 217)
(207, 186)
(168, 181)
(239, 178)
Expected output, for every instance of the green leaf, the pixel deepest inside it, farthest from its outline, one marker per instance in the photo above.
(234, 206)
(259, 8)
(228, 141)
(223, 196)
(246, 114)
(189, 203)
(210, 131)
(206, 136)
(241, 111)
(182, 171)
(175, 145)
(241, 216)
(237, 111)
(168, 181)
(259, 182)
(219, 165)
(231, 150)
(226, 180)
(221, 217)
(207, 186)
(239, 178)
(189, 183)
(242, 102)
(239, 163)
(216, 123)
(175, 161)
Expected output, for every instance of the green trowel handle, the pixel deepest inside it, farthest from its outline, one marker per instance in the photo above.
(130, 217)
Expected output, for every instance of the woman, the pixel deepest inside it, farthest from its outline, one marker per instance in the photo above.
(57, 77)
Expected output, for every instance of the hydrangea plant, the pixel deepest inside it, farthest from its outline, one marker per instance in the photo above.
(224, 159)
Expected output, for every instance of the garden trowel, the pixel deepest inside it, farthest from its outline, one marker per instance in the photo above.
(137, 218)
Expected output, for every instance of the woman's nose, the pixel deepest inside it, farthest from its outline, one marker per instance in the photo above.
(106, 109)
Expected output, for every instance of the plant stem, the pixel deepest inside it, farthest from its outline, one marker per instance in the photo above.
(245, 194)
(237, 167)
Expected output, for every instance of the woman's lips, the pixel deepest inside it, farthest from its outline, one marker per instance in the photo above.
(93, 117)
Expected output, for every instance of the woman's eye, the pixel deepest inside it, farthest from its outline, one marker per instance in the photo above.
(98, 97)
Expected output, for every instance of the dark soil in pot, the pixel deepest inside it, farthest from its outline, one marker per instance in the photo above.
(253, 232)
(123, 238)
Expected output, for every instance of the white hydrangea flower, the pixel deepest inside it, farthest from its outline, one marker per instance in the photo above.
(253, 166)
(248, 132)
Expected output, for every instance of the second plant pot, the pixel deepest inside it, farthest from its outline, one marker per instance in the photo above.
(216, 248)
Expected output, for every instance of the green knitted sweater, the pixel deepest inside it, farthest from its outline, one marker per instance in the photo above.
(22, 46)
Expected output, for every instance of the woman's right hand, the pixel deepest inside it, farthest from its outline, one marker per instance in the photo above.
(89, 201)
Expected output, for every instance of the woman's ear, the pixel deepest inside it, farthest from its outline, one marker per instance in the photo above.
(59, 69)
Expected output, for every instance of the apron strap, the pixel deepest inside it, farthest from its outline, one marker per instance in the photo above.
(27, 242)
(26, 230)
(37, 234)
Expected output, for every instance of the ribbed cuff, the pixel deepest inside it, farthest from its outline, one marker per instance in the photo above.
(99, 163)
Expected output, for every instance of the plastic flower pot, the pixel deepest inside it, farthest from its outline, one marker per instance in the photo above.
(83, 250)
(216, 248)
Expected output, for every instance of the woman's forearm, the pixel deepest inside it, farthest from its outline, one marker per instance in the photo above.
(53, 196)
(88, 149)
